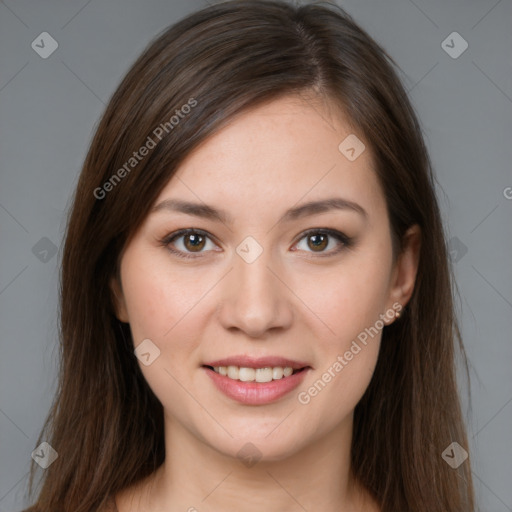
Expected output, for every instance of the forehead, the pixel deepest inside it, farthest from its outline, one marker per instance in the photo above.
(283, 152)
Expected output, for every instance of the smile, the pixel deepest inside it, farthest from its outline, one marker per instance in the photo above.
(250, 391)
(266, 374)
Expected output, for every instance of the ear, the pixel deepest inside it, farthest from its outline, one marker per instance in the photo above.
(118, 299)
(406, 268)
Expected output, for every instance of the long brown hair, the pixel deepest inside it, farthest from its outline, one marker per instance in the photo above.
(105, 423)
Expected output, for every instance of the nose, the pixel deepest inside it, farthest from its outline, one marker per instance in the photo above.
(255, 297)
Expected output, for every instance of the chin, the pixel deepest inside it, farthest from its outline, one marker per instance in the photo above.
(257, 445)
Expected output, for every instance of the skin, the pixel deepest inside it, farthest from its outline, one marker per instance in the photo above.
(294, 300)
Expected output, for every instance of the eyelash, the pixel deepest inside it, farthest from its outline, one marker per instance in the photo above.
(341, 237)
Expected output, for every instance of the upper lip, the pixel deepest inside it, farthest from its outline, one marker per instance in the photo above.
(258, 362)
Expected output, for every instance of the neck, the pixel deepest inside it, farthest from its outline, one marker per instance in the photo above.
(194, 477)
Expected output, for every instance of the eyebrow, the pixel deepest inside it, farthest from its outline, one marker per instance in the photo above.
(304, 210)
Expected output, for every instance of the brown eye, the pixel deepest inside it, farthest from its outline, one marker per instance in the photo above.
(195, 242)
(319, 242)
(190, 243)
(187, 243)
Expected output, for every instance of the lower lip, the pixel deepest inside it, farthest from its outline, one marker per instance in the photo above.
(256, 393)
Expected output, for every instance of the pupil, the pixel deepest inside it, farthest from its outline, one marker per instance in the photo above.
(318, 243)
(196, 240)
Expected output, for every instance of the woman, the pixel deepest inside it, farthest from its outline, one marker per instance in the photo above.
(256, 307)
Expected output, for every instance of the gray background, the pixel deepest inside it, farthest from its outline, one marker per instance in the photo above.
(50, 107)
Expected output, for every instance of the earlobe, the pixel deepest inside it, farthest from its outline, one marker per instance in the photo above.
(406, 267)
(118, 300)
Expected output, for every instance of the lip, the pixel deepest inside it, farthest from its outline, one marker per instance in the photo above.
(260, 362)
(256, 393)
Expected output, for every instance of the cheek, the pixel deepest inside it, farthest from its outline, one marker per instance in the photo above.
(165, 308)
(348, 349)
(336, 390)
(348, 337)
(344, 301)
(158, 300)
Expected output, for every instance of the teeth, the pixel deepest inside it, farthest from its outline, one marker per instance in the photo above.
(254, 374)
(233, 372)
(263, 374)
(277, 373)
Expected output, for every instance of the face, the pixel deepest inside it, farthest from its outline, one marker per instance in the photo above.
(267, 279)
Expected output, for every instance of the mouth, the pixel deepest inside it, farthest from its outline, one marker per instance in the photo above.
(256, 374)
(256, 381)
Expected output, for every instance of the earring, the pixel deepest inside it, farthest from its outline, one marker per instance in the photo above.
(397, 314)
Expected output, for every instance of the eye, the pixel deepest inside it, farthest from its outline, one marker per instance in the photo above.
(194, 240)
(318, 240)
